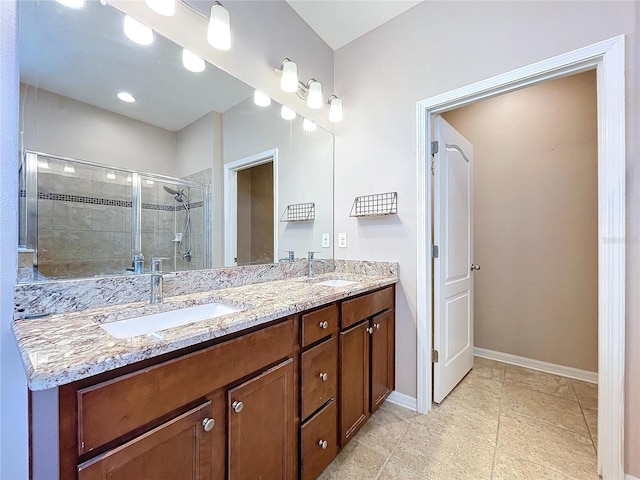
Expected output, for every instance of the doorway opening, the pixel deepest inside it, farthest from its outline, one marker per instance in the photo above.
(607, 58)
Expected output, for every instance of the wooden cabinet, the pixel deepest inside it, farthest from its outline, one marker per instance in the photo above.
(382, 357)
(319, 441)
(261, 426)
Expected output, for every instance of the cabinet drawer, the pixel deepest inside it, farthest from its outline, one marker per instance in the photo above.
(319, 324)
(322, 427)
(319, 375)
(359, 308)
(113, 408)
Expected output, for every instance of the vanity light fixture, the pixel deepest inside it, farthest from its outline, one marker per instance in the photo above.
(314, 94)
(260, 99)
(308, 125)
(71, 3)
(166, 8)
(192, 62)
(149, 182)
(287, 114)
(68, 168)
(137, 32)
(129, 178)
(42, 163)
(289, 80)
(335, 109)
(111, 176)
(219, 30)
(126, 97)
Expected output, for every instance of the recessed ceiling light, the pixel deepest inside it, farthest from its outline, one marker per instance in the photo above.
(137, 32)
(192, 62)
(126, 97)
(71, 3)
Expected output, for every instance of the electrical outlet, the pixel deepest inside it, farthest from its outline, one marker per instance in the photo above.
(325, 240)
(342, 240)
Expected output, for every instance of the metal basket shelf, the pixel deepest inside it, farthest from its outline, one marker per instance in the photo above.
(376, 205)
(299, 212)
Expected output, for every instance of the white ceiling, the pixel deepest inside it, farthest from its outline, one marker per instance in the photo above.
(339, 22)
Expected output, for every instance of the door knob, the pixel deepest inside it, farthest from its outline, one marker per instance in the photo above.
(369, 330)
(323, 376)
(324, 324)
(377, 325)
(208, 424)
(237, 406)
(475, 267)
(323, 444)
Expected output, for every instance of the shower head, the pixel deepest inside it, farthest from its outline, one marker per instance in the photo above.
(178, 194)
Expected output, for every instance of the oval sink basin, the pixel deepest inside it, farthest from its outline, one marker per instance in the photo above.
(336, 283)
(150, 324)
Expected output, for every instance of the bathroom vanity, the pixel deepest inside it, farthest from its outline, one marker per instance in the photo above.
(276, 396)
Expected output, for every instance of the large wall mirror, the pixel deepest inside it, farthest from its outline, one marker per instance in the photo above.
(192, 171)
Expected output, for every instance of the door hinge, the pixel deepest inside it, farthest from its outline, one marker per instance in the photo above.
(435, 251)
(434, 356)
(434, 148)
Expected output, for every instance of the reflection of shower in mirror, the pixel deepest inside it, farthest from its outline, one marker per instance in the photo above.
(184, 241)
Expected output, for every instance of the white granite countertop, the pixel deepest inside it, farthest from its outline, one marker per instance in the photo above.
(62, 348)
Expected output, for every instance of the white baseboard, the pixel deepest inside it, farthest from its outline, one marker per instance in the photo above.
(584, 375)
(630, 477)
(403, 400)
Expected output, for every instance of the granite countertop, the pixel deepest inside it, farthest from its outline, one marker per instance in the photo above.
(62, 348)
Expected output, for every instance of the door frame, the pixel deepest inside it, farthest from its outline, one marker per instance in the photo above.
(231, 170)
(608, 59)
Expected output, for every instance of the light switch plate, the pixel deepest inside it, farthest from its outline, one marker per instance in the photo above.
(325, 240)
(342, 240)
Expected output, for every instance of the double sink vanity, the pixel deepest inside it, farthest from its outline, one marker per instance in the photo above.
(264, 374)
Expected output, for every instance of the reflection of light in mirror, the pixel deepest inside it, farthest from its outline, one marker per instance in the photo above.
(261, 99)
(126, 97)
(287, 113)
(129, 178)
(162, 7)
(219, 31)
(71, 3)
(192, 62)
(335, 109)
(111, 176)
(149, 182)
(289, 80)
(42, 163)
(137, 32)
(68, 168)
(308, 125)
(314, 97)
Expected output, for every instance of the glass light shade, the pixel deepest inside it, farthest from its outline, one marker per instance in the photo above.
(149, 182)
(192, 62)
(219, 31)
(308, 125)
(162, 7)
(314, 98)
(68, 168)
(137, 32)
(289, 80)
(111, 176)
(335, 110)
(42, 163)
(126, 97)
(71, 3)
(287, 113)
(261, 99)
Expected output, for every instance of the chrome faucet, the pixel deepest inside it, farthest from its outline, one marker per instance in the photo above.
(137, 263)
(290, 257)
(156, 280)
(310, 261)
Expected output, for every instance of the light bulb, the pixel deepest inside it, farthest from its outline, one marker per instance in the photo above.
(137, 32)
(289, 80)
(192, 62)
(126, 97)
(308, 125)
(261, 99)
(335, 110)
(71, 3)
(219, 31)
(314, 97)
(162, 7)
(287, 113)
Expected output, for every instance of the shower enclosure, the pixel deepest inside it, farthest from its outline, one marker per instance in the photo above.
(83, 219)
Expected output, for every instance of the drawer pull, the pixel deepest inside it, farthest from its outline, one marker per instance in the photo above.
(377, 325)
(369, 330)
(324, 324)
(208, 424)
(237, 406)
(323, 444)
(323, 376)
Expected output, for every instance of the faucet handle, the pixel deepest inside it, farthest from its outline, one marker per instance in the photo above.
(156, 264)
(310, 255)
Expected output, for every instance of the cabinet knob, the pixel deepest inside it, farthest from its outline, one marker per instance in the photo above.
(237, 406)
(208, 424)
(323, 376)
(377, 325)
(324, 324)
(323, 444)
(369, 330)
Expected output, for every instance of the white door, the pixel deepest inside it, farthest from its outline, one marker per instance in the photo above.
(453, 268)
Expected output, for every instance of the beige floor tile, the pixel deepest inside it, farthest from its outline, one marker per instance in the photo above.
(538, 381)
(396, 471)
(488, 369)
(561, 412)
(510, 467)
(591, 416)
(587, 393)
(385, 428)
(478, 394)
(553, 447)
(355, 462)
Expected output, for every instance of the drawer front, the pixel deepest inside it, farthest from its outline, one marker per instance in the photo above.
(113, 408)
(319, 324)
(319, 375)
(357, 309)
(322, 427)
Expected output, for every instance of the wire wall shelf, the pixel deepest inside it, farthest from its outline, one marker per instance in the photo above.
(299, 212)
(376, 205)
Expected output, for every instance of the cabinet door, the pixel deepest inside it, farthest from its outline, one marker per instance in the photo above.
(262, 436)
(354, 380)
(382, 358)
(179, 449)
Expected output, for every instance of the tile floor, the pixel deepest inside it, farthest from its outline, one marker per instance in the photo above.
(501, 422)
